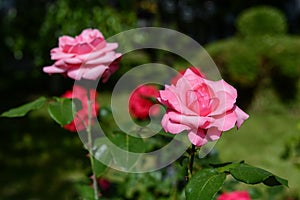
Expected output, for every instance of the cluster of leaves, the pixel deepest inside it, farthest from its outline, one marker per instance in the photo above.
(292, 150)
(205, 183)
(260, 50)
(60, 109)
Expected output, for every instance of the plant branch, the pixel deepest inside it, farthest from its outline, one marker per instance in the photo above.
(191, 161)
(90, 145)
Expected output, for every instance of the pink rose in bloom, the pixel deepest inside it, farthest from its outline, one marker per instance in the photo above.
(81, 117)
(87, 56)
(237, 195)
(181, 72)
(140, 101)
(202, 107)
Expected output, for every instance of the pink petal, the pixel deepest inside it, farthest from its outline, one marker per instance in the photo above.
(53, 69)
(81, 48)
(197, 137)
(76, 73)
(168, 97)
(222, 86)
(241, 116)
(213, 134)
(72, 61)
(107, 58)
(225, 102)
(174, 100)
(64, 40)
(57, 54)
(225, 121)
(95, 72)
(99, 52)
(172, 127)
(189, 120)
(97, 42)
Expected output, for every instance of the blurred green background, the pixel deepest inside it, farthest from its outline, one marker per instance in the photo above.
(257, 50)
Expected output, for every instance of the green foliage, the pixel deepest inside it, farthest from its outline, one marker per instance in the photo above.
(260, 51)
(260, 21)
(253, 175)
(71, 18)
(207, 182)
(204, 184)
(24, 109)
(292, 150)
(61, 110)
(85, 191)
(238, 63)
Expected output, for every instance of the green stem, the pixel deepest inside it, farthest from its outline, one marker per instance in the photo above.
(90, 145)
(191, 161)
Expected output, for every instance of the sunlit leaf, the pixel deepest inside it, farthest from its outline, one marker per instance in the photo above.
(24, 109)
(254, 175)
(204, 184)
(61, 110)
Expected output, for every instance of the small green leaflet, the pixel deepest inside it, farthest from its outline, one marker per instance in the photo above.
(204, 184)
(24, 109)
(61, 110)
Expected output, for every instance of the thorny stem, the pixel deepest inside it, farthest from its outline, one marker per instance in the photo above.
(191, 162)
(90, 145)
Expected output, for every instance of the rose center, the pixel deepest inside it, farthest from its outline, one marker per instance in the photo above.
(201, 100)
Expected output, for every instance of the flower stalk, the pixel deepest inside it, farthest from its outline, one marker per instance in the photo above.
(191, 161)
(90, 145)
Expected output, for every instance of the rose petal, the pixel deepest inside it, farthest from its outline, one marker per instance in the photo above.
(189, 120)
(72, 61)
(225, 121)
(94, 72)
(107, 58)
(197, 137)
(66, 40)
(172, 127)
(100, 52)
(241, 116)
(213, 134)
(76, 73)
(53, 69)
(225, 102)
(57, 54)
(222, 86)
(173, 99)
(81, 48)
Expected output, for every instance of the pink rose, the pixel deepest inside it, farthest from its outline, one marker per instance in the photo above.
(140, 101)
(202, 107)
(81, 117)
(87, 56)
(237, 195)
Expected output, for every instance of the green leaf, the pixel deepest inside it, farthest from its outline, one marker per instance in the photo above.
(99, 168)
(226, 167)
(61, 110)
(275, 180)
(254, 175)
(128, 142)
(24, 109)
(129, 149)
(101, 155)
(204, 184)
